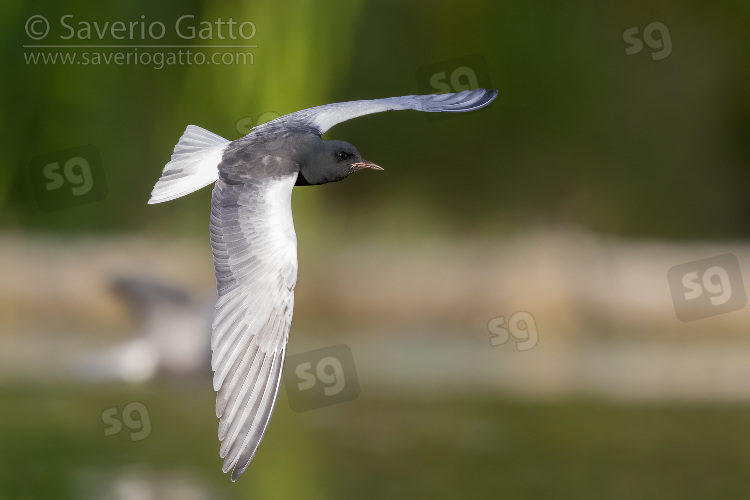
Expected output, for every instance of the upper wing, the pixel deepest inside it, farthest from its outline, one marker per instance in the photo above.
(324, 117)
(255, 258)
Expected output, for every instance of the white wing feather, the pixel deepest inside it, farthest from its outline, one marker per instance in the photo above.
(324, 117)
(255, 257)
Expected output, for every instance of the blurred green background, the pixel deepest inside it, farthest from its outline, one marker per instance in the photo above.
(581, 132)
(571, 196)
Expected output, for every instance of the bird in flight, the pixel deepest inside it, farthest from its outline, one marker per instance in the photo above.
(255, 247)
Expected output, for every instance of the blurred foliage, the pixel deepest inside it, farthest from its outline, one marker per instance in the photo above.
(54, 444)
(581, 133)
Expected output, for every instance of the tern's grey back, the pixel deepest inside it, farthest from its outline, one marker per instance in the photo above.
(267, 152)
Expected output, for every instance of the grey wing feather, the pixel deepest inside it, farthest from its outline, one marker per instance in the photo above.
(255, 259)
(324, 117)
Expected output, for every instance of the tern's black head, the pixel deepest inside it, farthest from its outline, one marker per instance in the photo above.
(331, 161)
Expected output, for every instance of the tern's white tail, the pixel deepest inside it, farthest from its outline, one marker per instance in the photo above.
(194, 164)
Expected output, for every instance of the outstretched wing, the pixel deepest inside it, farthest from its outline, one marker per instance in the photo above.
(255, 258)
(324, 117)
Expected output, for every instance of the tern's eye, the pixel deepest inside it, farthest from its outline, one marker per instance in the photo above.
(342, 155)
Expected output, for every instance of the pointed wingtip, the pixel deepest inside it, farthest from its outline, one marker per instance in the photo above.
(487, 98)
(237, 471)
(481, 98)
(157, 199)
(459, 102)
